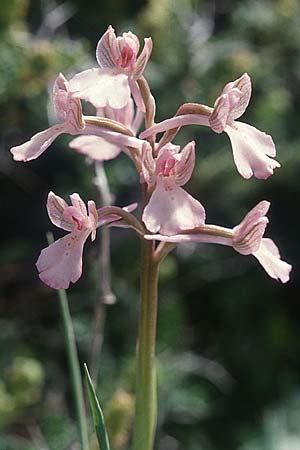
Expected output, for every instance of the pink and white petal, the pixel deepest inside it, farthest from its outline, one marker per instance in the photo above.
(248, 234)
(171, 211)
(56, 207)
(33, 148)
(61, 262)
(101, 87)
(104, 53)
(219, 116)
(95, 147)
(143, 58)
(185, 166)
(132, 40)
(243, 84)
(269, 257)
(60, 97)
(253, 151)
(123, 115)
(78, 204)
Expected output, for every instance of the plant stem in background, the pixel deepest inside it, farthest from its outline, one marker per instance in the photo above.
(70, 344)
(104, 294)
(146, 401)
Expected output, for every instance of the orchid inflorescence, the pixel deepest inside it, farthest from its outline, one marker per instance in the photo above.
(123, 100)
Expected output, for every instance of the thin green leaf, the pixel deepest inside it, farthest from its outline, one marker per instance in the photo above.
(97, 413)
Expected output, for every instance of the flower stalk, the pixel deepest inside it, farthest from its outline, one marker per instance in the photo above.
(76, 379)
(146, 398)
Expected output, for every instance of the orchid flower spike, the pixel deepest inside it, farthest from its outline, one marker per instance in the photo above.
(170, 208)
(120, 67)
(252, 149)
(246, 238)
(69, 113)
(98, 148)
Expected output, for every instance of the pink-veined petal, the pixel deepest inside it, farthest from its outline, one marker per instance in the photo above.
(33, 148)
(248, 234)
(101, 87)
(56, 207)
(104, 53)
(95, 147)
(61, 262)
(269, 257)
(171, 211)
(60, 97)
(243, 84)
(123, 115)
(185, 166)
(219, 116)
(253, 151)
(143, 58)
(79, 204)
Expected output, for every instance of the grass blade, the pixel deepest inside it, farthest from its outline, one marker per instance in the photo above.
(97, 413)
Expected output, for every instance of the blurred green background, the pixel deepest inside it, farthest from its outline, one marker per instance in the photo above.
(228, 335)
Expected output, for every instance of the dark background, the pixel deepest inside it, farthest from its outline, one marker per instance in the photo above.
(228, 335)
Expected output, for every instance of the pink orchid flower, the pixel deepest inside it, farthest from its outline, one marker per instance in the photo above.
(252, 149)
(120, 67)
(246, 238)
(68, 112)
(60, 263)
(170, 208)
(99, 148)
(71, 121)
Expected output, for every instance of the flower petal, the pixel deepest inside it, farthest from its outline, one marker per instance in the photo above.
(104, 53)
(269, 257)
(95, 147)
(185, 166)
(248, 234)
(60, 97)
(79, 204)
(243, 84)
(252, 150)
(123, 115)
(101, 87)
(219, 116)
(143, 58)
(61, 262)
(33, 148)
(171, 211)
(56, 207)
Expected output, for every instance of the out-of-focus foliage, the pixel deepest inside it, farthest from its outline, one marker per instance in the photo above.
(228, 336)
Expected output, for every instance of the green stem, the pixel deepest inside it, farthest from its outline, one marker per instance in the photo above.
(74, 368)
(71, 349)
(146, 401)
